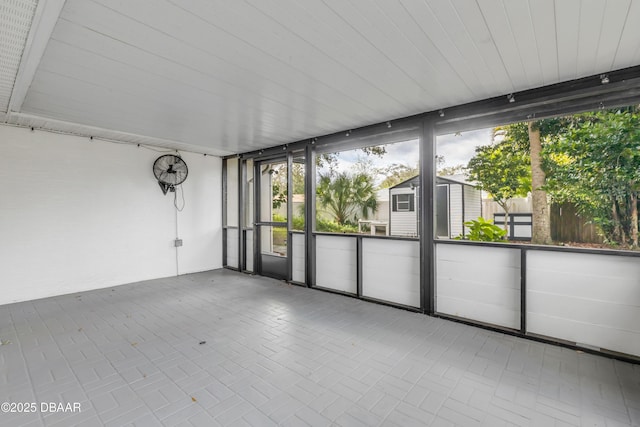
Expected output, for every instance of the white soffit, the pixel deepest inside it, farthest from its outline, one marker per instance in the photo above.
(234, 76)
(15, 22)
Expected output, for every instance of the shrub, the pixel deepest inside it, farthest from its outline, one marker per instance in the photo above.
(321, 225)
(298, 222)
(334, 227)
(279, 236)
(483, 230)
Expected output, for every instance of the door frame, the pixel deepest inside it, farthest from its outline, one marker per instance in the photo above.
(259, 223)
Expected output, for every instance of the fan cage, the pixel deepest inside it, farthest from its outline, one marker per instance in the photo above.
(170, 170)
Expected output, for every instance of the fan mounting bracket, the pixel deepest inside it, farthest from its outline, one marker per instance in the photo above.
(166, 188)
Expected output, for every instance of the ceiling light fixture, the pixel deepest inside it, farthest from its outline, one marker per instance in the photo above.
(441, 113)
(511, 97)
(348, 133)
(604, 79)
(389, 125)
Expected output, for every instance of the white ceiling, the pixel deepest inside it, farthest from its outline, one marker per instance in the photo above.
(224, 77)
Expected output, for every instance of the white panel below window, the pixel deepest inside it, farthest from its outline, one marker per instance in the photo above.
(522, 231)
(479, 283)
(391, 270)
(232, 247)
(336, 263)
(298, 258)
(588, 299)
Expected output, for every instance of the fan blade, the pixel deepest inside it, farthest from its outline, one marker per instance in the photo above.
(164, 177)
(180, 178)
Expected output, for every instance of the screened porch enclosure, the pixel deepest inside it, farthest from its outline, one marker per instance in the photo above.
(588, 299)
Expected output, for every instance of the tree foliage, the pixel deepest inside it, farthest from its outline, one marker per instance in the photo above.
(452, 170)
(502, 170)
(591, 160)
(530, 137)
(397, 173)
(595, 164)
(347, 197)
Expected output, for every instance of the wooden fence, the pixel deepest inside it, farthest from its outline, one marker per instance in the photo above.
(568, 226)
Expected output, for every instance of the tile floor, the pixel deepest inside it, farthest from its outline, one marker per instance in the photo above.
(223, 348)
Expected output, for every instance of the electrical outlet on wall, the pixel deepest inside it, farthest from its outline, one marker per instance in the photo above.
(177, 243)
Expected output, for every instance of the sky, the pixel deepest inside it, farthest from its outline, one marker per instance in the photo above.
(455, 148)
(459, 148)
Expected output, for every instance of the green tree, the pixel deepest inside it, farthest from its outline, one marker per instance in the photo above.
(503, 170)
(595, 163)
(452, 170)
(278, 177)
(297, 173)
(347, 196)
(531, 137)
(397, 173)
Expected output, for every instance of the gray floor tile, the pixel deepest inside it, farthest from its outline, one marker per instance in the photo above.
(275, 354)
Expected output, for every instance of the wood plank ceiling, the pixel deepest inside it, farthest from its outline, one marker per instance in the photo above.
(225, 77)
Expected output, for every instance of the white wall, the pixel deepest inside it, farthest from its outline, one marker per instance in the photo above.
(589, 299)
(479, 283)
(455, 210)
(77, 215)
(391, 270)
(382, 212)
(404, 223)
(472, 204)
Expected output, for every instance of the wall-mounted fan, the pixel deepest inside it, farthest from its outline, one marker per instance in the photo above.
(170, 170)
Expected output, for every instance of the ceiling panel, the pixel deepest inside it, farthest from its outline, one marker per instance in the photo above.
(543, 17)
(628, 49)
(224, 77)
(15, 21)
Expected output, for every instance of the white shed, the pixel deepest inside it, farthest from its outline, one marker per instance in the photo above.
(457, 201)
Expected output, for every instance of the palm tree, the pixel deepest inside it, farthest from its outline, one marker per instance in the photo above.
(347, 196)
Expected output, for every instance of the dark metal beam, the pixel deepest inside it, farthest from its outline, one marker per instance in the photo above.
(289, 215)
(371, 136)
(621, 82)
(240, 174)
(310, 214)
(224, 213)
(523, 291)
(359, 270)
(427, 209)
(564, 107)
(257, 259)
